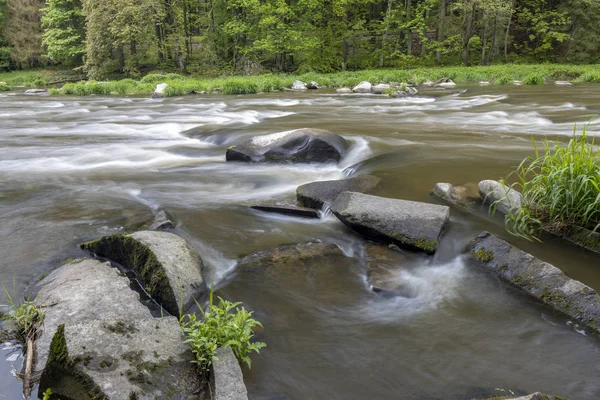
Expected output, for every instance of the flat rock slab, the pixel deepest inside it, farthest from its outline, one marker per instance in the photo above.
(297, 146)
(385, 266)
(580, 236)
(121, 360)
(538, 278)
(165, 263)
(295, 211)
(317, 194)
(500, 196)
(533, 396)
(226, 377)
(84, 290)
(407, 224)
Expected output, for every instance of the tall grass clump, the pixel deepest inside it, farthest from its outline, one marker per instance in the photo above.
(534, 79)
(22, 319)
(560, 188)
(239, 86)
(224, 324)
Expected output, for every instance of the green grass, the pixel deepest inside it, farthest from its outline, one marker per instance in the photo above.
(560, 188)
(179, 85)
(23, 319)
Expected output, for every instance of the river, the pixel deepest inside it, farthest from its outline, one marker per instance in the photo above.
(74, 168)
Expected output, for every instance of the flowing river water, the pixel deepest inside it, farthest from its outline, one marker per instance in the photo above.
(73, 169)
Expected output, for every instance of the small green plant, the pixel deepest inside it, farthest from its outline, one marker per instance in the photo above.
(47, 394)
(225, 324)
(560, 188)
(23, 319)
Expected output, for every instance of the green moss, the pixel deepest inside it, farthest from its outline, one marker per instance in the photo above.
(122, 328)
(428, 246)
(484, 255)
(135, 255)
(587, 240)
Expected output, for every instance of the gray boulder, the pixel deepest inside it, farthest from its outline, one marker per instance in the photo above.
(380, 88)
(297, 146)
(428, 83)
(500, 196)
(363, 87)
(317, 194)
(408, 224)
(563, 83)
(445, 83)
(80, 291)
(299, 85)
(226, 378)
(313, 86)
(161, 222)
(537, 278)
(165, 263)
(580, 236)
(160, 91)
(343, 90)
(36, 92)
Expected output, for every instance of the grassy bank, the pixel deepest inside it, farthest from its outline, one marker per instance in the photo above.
(182, 85)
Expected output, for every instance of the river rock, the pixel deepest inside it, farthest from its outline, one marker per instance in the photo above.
(226, 378)
(563, 83)
(578, 235)
(445, 83)
(537, 278)
(80, 291)
(344, 90)
(165, 263)
(408, 224)
(427, 84)
(36, 91)
(363, 87)
(299, 85)
(295, 211)
(517, 83)
(317, 194)
(379, 89)
(385, 266)
(160, 91)
(120, 359)
(502, 197)
(161, 222)
(484, 83)
(313, 86)
(464, 195)
(297, 146)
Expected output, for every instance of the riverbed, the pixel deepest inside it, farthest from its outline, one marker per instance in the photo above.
(77, 168)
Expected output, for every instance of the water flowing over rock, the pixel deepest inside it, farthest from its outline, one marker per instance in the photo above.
(463, 195)
(317, 194)
(99, 340)
(502, 197)
(161, 222)
(313, 86)
(297, 146)
(295, 211)
(363, 87)
(380, 88)
(408, 224)
(538, 278)
(385, 265)
(165, 263)
(445, 83)
(226, 377)
(299, 85)
(343, 90)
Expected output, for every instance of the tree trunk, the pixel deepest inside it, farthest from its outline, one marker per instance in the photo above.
(409, 32)
(483, 43)
(385, 32)
(440, 32)
(493, 46)
(507, 32)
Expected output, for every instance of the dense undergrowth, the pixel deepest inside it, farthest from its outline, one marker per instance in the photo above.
(560, 186)
(181, 85)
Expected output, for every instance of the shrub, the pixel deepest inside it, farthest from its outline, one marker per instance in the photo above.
(533, 79)
(4, 88)
(226, 324)
(560, 188)
(154, 78)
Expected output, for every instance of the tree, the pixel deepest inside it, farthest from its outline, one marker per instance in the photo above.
(64, 34)
(23, 32)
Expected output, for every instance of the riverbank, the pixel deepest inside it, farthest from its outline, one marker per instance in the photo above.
(179, 85)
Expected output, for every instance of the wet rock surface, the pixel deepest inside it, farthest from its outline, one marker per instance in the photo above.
(168, 267)
(161, 222)
(407, 224)
(363, 87)
(317, 194)
(297, 146)
(385, 265)
(227, 379)
(295, 211)
(500, 196)
(538, 278)
(463, 195)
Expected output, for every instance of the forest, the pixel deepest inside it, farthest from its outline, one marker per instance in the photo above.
(103, 38)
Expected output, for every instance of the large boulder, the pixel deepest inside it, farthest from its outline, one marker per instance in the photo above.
(167, 266)
(120, 359)
(502, 197)
(317, 194)
(226, 377)
(363, 87)
(343, 90)
(537, 278)
(298, 146)
(313, 86)
(380, 88)
(160, 91)
(299, 85)
(408, 224)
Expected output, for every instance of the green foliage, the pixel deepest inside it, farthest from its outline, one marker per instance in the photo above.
(47, 394)
(64, 30)
(225, 324)
(4, 88)
(534, 79)
(560, 188)
(23, 318)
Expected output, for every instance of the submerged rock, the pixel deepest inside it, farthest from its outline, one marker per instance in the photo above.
(226, 377)
(445, 83)
(408, 224)
(344, 90)
(161, 222)
(538, 278)
(380, 88)
(385, 266)
(464, 195)
(563, 83)
(500, 196)
(484, 83)
(363, 87)
(165, 263)
(120, 359)
(290, 210)
(299, 85)
(36, 91)
(317, 194)
(297, 146)
(580, 236)
(428, 83)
